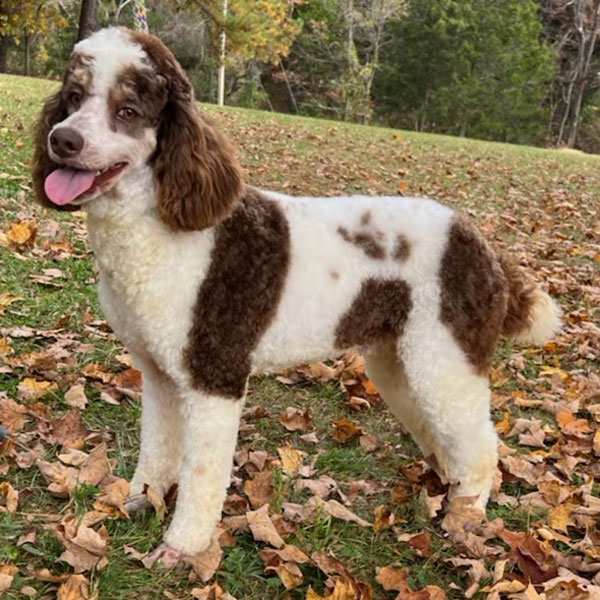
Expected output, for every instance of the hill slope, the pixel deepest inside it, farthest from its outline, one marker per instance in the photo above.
(542, 205)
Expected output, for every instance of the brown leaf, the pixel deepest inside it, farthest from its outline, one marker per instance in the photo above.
(345, 431)
(32, 389)
(334, 509)
(368, 442)
(69, 431)
(260, 489)
(84, 547)
(9, 497)
(392, 579)
(12, 415)
(61, 480)
(421, 543)
(76, 397)
(156, 500)
(22, 233)
(96, 467)
(384, 518)
(7, 574)
(262, 527)
(75, 588)
(559, 517)
(206, 563)
(296, 420)
(291, 459)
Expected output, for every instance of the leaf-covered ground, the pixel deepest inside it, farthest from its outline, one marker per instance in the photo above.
(330, 499)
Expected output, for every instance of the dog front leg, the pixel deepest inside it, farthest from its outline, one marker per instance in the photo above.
(209, 438)
(162, 421)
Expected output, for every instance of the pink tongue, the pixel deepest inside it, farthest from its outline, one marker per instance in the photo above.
(64, 185)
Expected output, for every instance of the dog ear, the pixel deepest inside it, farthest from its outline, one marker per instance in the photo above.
(54, 111)
(197, 176)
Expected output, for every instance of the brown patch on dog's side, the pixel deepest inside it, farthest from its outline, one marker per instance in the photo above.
(365, 219)
(239, 296)
(367, 242)
(401, 250)
(335, 275)
(378, 313)
(474, 294)
(522, 295)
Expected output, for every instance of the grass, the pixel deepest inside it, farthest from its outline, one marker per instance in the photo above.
(540, 203)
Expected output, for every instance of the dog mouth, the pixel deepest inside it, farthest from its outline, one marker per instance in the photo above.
(67, 184)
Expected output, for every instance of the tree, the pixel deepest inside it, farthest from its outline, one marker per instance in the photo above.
(574, 26)
(88, 19)
(24, 21)
(365, 22)
(468, 67)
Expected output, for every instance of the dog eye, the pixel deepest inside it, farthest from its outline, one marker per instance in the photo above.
(126, 113)
(75, 98)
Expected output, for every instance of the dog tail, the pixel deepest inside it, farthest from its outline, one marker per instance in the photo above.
(532, 316)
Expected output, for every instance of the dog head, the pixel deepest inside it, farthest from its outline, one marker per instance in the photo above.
(126, 106)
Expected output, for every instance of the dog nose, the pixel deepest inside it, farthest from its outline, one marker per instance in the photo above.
(66, 142)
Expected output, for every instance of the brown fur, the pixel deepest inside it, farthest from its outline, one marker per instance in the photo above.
(474, 294)
(365, 219)
(401, 250)
(239, 296)
(53, 111)
(144, 91)
(77, 77)
(377, 314)
(521, 298)
(365, 241)
(198, 178)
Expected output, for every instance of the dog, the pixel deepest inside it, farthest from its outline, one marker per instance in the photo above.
(207, 280)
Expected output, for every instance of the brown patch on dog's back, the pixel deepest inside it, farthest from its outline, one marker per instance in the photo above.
(401, 250)
(378, 313)
(239, 296)
(474, 294)
(365, 219)
(367, 242)
(335, 275)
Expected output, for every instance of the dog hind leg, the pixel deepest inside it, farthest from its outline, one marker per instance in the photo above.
(455, 405)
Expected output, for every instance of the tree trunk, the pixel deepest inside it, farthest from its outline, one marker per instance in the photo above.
(88, 19)
(27, 50)
(3, 53)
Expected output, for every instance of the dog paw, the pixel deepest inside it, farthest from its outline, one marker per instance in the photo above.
(136, 503)
(165, 555)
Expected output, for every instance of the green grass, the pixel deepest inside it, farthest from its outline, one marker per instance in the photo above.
(542, 204)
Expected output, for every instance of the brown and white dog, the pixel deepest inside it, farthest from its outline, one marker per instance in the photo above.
(207, 281)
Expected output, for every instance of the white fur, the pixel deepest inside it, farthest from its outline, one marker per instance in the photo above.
(544, 322)
(149, 282)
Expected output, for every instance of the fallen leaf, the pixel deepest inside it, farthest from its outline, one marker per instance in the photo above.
(206, 563)
(296, 420)
(262, 527)
(291, 459)
(76, 397)
(344, 431)
(260, 489)
(12, 415)
(75, 588)
(9, 497)
(7, 574)
(31, 389)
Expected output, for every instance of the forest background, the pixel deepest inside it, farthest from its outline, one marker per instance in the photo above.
(521, 71)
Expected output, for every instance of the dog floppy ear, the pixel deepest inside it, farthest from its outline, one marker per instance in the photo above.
(198, 179)
(197, 176)
(54, 111)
